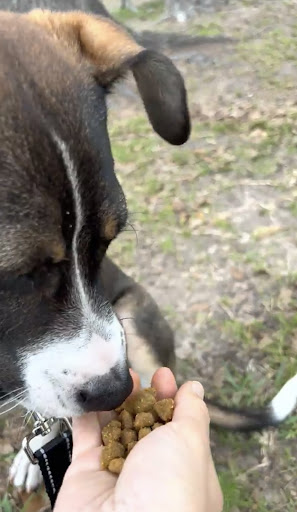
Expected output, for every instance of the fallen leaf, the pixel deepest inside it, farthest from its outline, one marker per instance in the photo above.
(266, 231)
(237, 274)
(265, 342)
(284, 298)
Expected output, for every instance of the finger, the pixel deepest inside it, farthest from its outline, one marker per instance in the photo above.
(164, 382)
(105, 417)
(86, 433)
(189, 405)
(136, 381)
(214, 489)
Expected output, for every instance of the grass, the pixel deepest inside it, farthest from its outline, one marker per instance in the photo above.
(5, 504)
(235, 494)
(151, 10)
(227, 150)
(210, 29)
(243, 147)
(268, 53)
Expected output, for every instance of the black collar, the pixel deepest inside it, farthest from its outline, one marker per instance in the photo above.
(54, 457)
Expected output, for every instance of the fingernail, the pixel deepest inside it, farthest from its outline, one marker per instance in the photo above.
(198, 389)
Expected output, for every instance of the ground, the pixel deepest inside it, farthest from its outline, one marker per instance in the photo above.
(212, 231)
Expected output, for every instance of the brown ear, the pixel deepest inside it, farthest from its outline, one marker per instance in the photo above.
(112, 51)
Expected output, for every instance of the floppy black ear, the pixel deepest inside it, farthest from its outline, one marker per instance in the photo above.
(163, 92)
(112, 51)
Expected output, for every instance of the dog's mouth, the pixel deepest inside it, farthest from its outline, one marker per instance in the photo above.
(59, 398)
(72, 376)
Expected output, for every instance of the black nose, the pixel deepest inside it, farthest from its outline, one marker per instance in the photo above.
(107, 392)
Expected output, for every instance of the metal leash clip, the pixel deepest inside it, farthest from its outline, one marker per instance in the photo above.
(42, 427)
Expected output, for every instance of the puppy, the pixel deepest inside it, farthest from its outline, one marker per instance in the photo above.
(62, 300)
(62, 341)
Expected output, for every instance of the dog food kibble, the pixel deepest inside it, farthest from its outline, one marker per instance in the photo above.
(143, 419)
(126, 419)
(115, 465)
(156, 425)
(112, 451)
(164, 409)
(143, 432)
(128, 436)
(112, 432)
(136, 418)
(130, 446)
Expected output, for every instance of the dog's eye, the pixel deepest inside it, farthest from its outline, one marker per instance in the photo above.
(46, 277)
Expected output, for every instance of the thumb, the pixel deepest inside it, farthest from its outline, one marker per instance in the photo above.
(190, 407)
(86, 433)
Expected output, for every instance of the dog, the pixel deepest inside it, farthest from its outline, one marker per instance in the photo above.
(71, 321)
(92, 6)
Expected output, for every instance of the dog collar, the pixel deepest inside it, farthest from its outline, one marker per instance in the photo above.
(54, 457)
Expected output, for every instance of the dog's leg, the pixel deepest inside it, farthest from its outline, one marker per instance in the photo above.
(25, 475)
(150, 339)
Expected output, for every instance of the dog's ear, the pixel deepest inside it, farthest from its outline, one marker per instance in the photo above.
(112, 52)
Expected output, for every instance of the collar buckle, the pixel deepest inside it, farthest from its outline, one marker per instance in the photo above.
(42, 426)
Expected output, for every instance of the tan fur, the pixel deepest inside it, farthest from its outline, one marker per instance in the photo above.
(79, 38)
(140, 354)
(105, 44)
(110, 227)
(35, 247)
(58, 251)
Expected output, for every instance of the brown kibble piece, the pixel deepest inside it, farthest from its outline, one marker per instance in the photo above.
(111, 432)
(131, 446)
(152, 391)
(157, 425)
(143, 432)
(116, 465)
(126, 419)
(143, 419)
(112, 451)
(164, 409)
(126, 406)
(128, 436)
(143, 401)
(137, 417)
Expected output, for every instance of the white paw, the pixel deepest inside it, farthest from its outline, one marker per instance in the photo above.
(24, 474)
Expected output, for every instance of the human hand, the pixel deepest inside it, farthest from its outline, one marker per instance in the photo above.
(171, 468)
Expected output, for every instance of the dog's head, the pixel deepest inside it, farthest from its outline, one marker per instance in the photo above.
(61, 204)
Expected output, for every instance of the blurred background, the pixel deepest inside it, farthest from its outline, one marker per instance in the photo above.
(212, 224)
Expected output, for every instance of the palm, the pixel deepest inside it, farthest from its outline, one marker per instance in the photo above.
(172, 465)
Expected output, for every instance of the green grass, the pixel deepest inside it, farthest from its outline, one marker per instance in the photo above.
(269, 52)
(147, 11)
(222, 153)
(6, 504)
(280, 329)
(210, 29)
(235, 494)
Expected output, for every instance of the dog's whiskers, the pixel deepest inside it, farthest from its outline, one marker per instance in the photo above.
(132, 334)
(19, 402)
(11, 392)
(15, 398)
(127, 318)
(132, 214)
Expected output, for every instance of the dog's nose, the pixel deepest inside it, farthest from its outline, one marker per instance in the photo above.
(107, 392)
